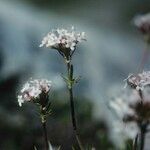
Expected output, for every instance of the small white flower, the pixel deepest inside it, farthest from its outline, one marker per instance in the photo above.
(139, 81)
(143, 23)
(32, 90)
(128, 130)
(121, 107)
(63, 39)
(20, 100)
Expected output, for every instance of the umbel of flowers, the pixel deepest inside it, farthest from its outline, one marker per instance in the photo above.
(134, 107)
(65, 42)
(37, 92)
(141, 83)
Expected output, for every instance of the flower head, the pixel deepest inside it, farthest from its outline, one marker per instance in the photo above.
(139, 81)
(134, 105)
(33, 90)
(143, 23)
(121, 107)
(128, 130)
(126, 123)
(65, 41)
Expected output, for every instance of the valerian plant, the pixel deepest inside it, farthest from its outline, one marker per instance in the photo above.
(37, 92)
(65, 42)
(134, 108)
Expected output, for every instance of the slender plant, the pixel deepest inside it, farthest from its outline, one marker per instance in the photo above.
(142, 22)
(140, 82)
(133, 108)
(37, 92)
(65, 42)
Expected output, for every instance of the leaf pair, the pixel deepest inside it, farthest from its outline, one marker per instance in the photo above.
(71, 82)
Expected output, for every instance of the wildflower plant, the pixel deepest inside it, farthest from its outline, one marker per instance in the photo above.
(66, 42)
(37, 92)
(134, 108)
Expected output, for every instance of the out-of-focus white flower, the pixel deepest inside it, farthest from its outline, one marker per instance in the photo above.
(130, 107)
(139, 81)
(143, 23)
(146, 94)
(126, 124)
(61, 39)
(121, 107)
(20, 100)
(127, 130)
(33, 89)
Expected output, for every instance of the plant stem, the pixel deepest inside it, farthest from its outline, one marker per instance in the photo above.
(135, 143)
(43, 120)
(144, 58)
(73, 116)
(142, 136)
(72, 109)
(45, 135)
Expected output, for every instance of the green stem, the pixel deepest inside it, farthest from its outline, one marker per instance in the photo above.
(73, 116)
(43, 120)
(45, 135)
(142, 137)
(72, 109)
(135, 143)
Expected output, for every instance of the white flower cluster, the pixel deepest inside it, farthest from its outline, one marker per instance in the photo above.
(129, 130)
(62, 39)
(139, 81)
(122, 108)
(32, 90)
(132, 106)
(143, 22)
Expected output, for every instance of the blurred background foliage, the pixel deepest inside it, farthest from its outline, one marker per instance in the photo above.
(113, 49)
